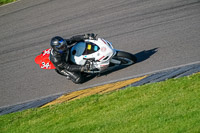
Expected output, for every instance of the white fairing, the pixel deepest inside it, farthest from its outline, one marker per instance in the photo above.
(100, 50)
(77, 58)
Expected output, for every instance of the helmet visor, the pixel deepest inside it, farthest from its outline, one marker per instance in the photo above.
(61, 47)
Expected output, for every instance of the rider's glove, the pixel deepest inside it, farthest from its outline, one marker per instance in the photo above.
(86, 67)
(90, 36)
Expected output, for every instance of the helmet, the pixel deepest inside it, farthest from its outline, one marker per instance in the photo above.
(59, 44)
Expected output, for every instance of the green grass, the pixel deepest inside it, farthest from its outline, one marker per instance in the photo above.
(2, 2)
(172, 106)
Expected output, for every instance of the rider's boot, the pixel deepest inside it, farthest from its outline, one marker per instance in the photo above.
(75, 77)
(64, 73)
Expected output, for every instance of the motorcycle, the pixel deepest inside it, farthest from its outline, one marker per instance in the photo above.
(99, 53)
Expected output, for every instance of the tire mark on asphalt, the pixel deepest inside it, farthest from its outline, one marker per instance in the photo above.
(17, 11)
(167, 10)
(127, 19)
(140, 16)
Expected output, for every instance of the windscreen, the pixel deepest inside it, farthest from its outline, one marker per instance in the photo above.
(90, 48)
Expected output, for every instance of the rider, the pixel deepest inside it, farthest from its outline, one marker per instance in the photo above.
(59, 56)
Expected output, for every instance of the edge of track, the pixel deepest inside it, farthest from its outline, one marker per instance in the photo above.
(156, 76)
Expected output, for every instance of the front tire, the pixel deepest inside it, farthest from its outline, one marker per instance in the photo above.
(124, 58)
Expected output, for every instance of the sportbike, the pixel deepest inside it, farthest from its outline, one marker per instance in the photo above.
(99, 53)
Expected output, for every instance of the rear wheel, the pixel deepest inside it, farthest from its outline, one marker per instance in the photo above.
(123, 58)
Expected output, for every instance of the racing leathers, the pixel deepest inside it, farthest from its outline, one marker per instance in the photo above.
(64, 66)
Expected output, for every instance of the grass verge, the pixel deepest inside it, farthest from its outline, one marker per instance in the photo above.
(2, 2)
(169, 106)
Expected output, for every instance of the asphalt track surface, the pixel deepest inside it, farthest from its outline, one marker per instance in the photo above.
(162, 34)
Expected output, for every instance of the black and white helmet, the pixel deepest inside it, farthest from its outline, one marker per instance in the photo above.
(59, 44)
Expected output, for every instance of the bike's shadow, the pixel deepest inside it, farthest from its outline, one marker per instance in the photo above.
(141, 56)
(145, 54)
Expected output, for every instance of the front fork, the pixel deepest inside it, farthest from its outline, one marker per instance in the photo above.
(114, 61)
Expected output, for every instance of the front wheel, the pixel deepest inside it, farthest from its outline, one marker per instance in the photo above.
(123, 58)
